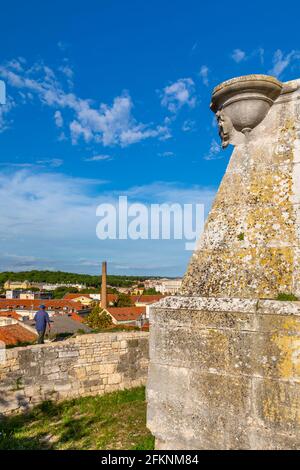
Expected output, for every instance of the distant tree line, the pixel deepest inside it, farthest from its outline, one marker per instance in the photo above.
(53, 277)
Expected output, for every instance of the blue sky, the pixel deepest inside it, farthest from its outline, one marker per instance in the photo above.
(109, 98)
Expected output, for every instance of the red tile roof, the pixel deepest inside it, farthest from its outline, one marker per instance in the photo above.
(58, 304)
(77, 317)
(134, 298)
(126, 313)
(10, 314)
(70, 296)
(14, 334)
(112, 297)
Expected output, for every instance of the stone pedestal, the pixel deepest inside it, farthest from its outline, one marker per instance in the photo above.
(225, 356)
(224, 374)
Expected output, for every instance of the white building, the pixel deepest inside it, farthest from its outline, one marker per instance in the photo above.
(29, 295)
(35, 295)
(95, 296)
(13, 294)
(55, 286)
(168, 286)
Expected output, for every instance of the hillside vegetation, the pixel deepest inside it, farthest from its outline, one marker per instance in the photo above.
(53, 277)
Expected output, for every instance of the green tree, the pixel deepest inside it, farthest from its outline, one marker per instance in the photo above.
(99, 319)
(123, 300)
(89, 290)
(112, 290)
(150, 291)
(60, 292)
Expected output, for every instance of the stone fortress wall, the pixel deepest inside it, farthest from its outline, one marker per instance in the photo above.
(90, 364)
(224, 367)
(250, 247)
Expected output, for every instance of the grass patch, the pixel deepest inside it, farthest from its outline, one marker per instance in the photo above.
(283, 296)
(113, 421)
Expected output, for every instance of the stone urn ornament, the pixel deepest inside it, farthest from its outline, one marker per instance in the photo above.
(242, 103)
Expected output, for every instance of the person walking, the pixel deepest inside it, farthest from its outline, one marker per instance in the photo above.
(41, 319)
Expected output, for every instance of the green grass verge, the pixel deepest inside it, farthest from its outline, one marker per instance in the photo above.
(113, 421)
(286, 297)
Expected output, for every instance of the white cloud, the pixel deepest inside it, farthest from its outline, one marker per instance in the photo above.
(67, 71)
(172, 192)
(179, 94)
(98, 158)
(188, 126)
(2, 93)
(112, 125)
(167, 154)
(10, 261)
(52, 162)
(281, 61)
(194, 47)
(90, 263)
(62, 45)
(48, 220)
(238, 55)
(58, 119)
(203, 73)
(47, 216)
(4, 111)
(45, 162)
(261, 54)
(29, 203)
(214, 151)
(17, 165)
(108, 125)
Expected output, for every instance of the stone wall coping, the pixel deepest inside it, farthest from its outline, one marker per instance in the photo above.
(278, 307)
(215, 304)
(78, 340)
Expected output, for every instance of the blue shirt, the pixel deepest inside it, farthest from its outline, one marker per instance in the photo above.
(41, 319)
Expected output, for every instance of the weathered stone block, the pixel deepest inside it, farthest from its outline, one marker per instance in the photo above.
(114, 379)
(68, 353)
(214, 384)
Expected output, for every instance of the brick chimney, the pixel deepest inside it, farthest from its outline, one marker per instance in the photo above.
(103, 285)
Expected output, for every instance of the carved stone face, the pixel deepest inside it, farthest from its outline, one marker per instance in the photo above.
(225, 127)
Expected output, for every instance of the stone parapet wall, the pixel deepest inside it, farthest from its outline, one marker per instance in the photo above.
(224, 374)
(86, 365)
